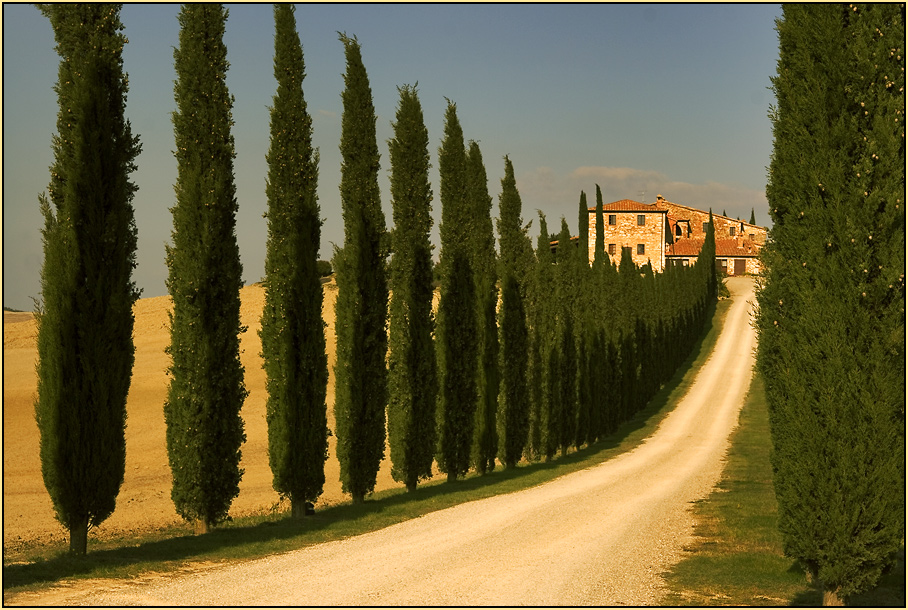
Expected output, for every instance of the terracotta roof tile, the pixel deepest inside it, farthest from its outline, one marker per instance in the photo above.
(628, 205)
(724, 247)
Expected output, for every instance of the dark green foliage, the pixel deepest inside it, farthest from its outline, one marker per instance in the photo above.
(293, 333)
(412, 377)
(599, 252)
(831, 320)
(584, 324)
(564, 422)
(458, 327)
(707, 259)
(85, 322)
(540, 342)
(514, 420)
(361, 385)
(206, 393)
(483, 260)
(753, 217)
(324, 268)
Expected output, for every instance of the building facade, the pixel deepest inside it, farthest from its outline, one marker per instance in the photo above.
(665, 233)
(636, 226)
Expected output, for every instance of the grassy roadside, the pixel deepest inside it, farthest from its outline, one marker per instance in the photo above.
(737, 559)
(257, 536)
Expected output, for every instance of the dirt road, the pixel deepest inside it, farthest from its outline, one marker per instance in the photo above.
(601, 536)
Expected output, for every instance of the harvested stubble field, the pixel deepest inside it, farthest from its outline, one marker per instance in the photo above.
(144, 501)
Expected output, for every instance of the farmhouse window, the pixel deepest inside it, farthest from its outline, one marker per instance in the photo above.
(641, 220)
(705, 226)
(731, 231)
(612, 248)
(641, 249)
(612, 219)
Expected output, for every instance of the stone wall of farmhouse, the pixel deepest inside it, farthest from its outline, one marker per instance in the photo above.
(698, 218)
(628, 233)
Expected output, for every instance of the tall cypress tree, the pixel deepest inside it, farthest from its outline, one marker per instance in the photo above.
(85, 347)
(457, 324)
(585, 316)
(599, 253)
(599, 364)
(564, 423)
(514, 421)
(831, 317)
(540, 341)
(293, 333)
(412, 375)
(482, 255)
(361, 376)
(206, 393)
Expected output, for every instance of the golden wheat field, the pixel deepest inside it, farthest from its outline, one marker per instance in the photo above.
(144, 501)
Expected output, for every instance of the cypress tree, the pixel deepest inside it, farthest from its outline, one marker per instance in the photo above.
(564, 423)
(753, 217)
(206, 393)
(361, 385)
(293, 333)
(85, 322)
(629, 350)
(708, 257)
(482, 255)
(457, 345)
(598, 360)
(540, 339)
(599, 252)
(514, 421)
(412, 377)
(832, 308)
(584, 320)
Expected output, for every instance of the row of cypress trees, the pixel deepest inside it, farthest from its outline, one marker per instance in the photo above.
(524, 355)
(606, 337)
(831, 318)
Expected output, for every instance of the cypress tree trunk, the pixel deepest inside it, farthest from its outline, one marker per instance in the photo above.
(206, 393)
(85, 322)
(361, 385)
(292, 333)
(78, 537)
(457, 325)
(412, 377)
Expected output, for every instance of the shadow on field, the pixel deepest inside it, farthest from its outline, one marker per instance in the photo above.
(280, 533)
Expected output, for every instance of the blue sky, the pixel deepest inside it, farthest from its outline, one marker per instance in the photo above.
(641, 99)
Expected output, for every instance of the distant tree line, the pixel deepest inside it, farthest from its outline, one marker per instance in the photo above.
(529, 352)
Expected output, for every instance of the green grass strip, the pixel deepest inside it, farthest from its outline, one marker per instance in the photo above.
(737, 559)
(175, 548)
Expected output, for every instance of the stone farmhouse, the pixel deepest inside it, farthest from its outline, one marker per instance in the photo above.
(665, 233)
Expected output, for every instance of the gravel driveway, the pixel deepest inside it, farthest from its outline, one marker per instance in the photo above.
(601, 536)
